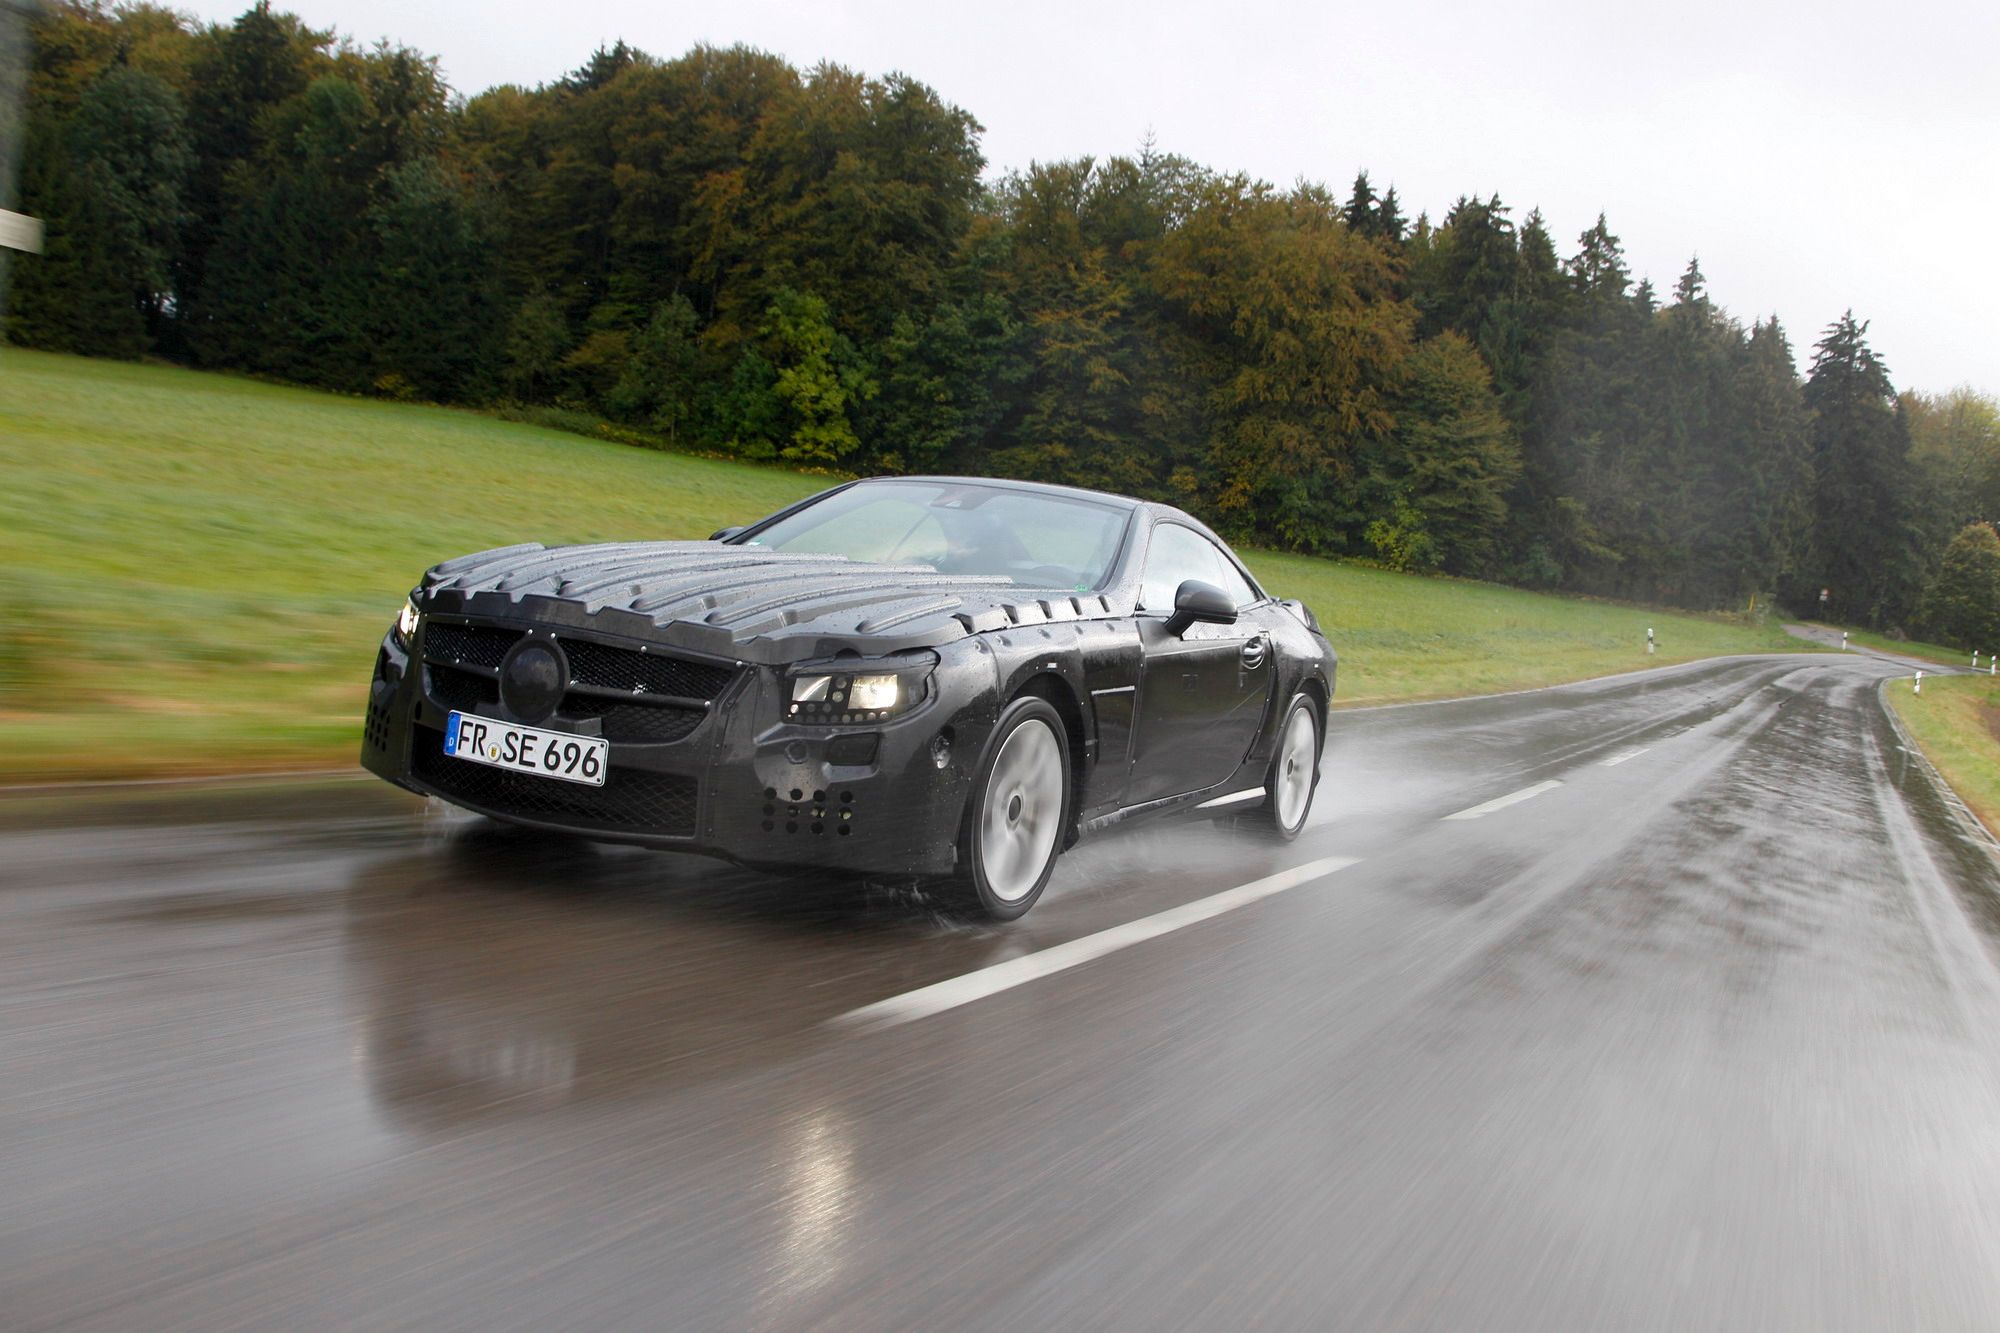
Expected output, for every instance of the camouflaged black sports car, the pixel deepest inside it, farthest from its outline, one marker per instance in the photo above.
(934, 676)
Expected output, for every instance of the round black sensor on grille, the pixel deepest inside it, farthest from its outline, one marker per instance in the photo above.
(532, 680)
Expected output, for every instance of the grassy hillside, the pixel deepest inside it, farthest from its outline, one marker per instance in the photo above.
(1401, 637)
(1928, 652)
(196, 569)
(1957, 722)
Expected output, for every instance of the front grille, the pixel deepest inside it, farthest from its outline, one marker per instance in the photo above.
(474, 645)
(636, 722)
(655, 673)
(632, 800)
(462, 689)
(464, 675)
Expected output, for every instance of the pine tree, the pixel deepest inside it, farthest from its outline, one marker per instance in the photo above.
(1582, 505)
(1862, 543)
(75, 295)
(1598, 273)
(288, 290)
(240, 74)
(1361, 206)
(1389, 218)
(433, 319)
(1767, 539)
(1690, 290)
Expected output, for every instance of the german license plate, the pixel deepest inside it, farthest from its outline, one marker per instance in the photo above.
(546, 754)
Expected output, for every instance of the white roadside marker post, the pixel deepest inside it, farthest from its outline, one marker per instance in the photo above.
(1920, 684)
(1843, 641)
(1975, 659)
(1649, 640)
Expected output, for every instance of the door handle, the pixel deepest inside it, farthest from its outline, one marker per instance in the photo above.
(1254, 653)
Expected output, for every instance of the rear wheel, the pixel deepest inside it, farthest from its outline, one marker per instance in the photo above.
(1293, 777)
(1013, 824)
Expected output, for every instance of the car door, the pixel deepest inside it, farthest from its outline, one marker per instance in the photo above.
(1203, 692)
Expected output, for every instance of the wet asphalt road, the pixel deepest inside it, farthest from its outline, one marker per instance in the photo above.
(1705, 1036)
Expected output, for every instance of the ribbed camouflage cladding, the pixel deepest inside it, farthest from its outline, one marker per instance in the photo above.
(746, 601)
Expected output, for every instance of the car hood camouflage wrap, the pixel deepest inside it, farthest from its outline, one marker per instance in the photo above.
(742, 602)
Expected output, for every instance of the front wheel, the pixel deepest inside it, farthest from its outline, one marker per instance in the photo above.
(1013, 825)
(1293, 777)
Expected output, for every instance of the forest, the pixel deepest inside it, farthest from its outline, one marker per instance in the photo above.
(724, 253)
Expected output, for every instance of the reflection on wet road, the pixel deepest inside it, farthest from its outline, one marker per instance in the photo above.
(1666, 1001)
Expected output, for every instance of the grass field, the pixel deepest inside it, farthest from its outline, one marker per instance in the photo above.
(1957, 722)
(197, 568)
(1927, 652)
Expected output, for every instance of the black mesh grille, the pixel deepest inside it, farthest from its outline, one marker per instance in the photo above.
(462, 689)
(381, 692)
(636, 722)
(475, 645)
(376, 729)
(592, 664)
(630, 799)
(625, 669)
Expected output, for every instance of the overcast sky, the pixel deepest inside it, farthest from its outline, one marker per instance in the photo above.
(1816, 156)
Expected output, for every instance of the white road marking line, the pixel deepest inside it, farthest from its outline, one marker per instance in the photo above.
(1618, 759)
(1502, 802)
(950, 994)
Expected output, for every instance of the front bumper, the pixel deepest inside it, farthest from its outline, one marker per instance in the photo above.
(739, 783)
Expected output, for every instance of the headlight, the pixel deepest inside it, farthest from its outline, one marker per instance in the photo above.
(873, 692)
(826, 697)
(406, 624)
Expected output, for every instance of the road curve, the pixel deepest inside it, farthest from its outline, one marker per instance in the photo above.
(1663, 1001)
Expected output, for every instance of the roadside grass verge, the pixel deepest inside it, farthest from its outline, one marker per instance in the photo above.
(197, 568)
(1401, 637)
(1926, 652)
(1957, 722)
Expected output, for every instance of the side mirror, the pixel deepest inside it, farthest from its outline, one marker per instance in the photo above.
(723, 534)
(1204, 602)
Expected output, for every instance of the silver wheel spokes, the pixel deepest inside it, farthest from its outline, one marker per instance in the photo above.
(1296, 758)
(1023, 810)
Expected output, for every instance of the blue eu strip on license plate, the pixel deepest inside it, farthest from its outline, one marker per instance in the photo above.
(531, 750)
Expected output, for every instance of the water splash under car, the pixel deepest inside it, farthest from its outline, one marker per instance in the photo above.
(933, 676)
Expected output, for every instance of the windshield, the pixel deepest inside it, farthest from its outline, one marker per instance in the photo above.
(1036, 539)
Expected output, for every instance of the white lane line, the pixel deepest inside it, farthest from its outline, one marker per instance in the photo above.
(1618, 759)
(950, 994)
(1502, 802)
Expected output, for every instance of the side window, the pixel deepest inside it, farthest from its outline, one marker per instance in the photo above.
(1178, 554)
(1230, 581)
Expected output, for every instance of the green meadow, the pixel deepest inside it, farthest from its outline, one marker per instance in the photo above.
(196, 568)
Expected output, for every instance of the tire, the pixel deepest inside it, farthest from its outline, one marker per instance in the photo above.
(1293, 778)
(1012, 831)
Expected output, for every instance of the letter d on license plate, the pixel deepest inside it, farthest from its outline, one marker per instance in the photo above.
(546, 754)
